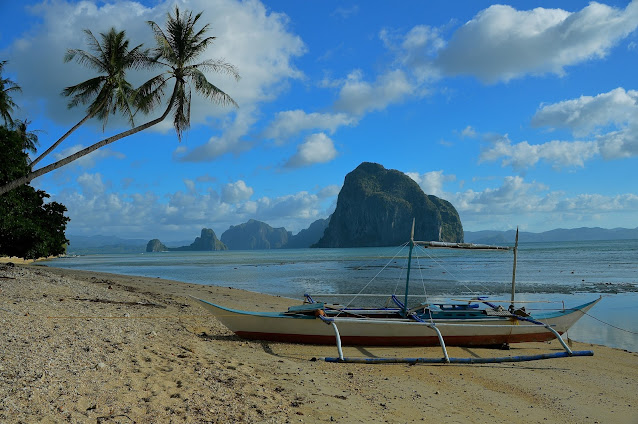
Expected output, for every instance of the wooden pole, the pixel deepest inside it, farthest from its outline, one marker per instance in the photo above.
(407, 280)
(514, 271)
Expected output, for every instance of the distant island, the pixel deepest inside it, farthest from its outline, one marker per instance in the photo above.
(251, 235)
(98, 244)
(207, 241)
(376, 207)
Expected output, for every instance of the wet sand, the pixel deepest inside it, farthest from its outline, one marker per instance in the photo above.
(78, 346)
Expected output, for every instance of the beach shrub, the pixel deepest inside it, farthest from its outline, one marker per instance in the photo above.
(29, 227)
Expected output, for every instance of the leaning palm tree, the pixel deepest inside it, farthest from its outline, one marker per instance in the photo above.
(6, 102)
(179, 46)
(108, 92)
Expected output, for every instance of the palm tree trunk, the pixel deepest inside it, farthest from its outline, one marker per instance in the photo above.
(50, 149)
(62, 162)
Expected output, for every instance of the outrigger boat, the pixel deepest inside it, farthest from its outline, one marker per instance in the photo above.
(477, 322)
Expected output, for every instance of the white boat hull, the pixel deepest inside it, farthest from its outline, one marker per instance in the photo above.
(485, 331)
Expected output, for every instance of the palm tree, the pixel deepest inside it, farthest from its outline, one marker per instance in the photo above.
(6, 102)
(178, 47)
(29, 138)
(177, 50)
(109, 92)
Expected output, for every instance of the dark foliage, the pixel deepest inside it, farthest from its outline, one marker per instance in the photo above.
(376, 207)
(29, 227)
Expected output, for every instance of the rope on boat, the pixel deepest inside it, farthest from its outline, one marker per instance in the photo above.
(373, 278)
(611, 325)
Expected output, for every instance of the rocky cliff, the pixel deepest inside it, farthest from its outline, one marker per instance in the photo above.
(309, 236)
(253, 235)
(155, 246)
(207, 241)
(376, 206)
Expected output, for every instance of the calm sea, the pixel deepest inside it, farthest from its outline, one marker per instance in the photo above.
(556, 274)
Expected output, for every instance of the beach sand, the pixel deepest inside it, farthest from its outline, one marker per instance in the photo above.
(85, 347)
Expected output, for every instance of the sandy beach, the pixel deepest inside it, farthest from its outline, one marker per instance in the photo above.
(85, 347)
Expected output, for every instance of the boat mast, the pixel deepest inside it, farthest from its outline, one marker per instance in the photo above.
(407, 280)
(514, 271)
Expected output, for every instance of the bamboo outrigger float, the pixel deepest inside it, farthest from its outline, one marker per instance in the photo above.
(477, 322)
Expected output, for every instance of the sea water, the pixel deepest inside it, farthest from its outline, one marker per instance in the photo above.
(556, 275)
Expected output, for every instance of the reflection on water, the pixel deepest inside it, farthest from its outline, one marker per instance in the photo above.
(575, 272)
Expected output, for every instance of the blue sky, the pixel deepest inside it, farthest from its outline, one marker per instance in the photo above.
(520, 114)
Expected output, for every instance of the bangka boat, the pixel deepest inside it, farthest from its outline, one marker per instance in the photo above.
(473, 322)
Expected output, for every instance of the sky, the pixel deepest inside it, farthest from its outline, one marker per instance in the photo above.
(521, 113)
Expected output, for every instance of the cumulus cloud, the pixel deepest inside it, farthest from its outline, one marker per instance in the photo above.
(299, 205)
(292, 122)
(329, 191)
(432, 182)
(609, 120)
(254, 39)
(586, 114)
(511, 200)
(619, 144)
(524, 155)
(236, 192)
(96, 204)
(416, 50)
(357, 97)
(318, 148)
(91, 184)
(615, 112)
(501, 43)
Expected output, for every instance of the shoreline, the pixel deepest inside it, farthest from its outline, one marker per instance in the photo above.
(80, 345)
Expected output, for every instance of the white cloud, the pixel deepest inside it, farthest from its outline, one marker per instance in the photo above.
(91, 184)
(515, 201)
(329, 191)
(236, 192)
(468, 132)
(190, 185)
(89, 160)
(524, 155)
(416, 50)
(609, 119)
(501, 43)
(318, 148)
(229, 141)
(291, 122)
(615, 112)
(586, 114)
(182, 214)
(432, 182)
(249, 36)
(358, 97)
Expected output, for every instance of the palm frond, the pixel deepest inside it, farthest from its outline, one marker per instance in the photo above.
(149, 95)
(110, 92)
(179, 45)
(208, 90)
(83, 92)
(219, 66)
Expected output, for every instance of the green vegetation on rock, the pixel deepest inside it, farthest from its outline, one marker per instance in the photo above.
(376, 206)
(253, 235)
